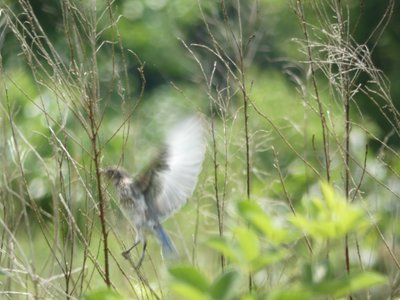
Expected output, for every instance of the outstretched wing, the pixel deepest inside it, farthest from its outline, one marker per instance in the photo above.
(182, 160)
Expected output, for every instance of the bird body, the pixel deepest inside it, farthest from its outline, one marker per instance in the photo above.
(163, 187)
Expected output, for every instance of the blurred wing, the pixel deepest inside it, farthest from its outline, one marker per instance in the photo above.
(185, 148)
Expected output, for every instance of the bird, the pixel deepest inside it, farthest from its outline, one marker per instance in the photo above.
(164, 186)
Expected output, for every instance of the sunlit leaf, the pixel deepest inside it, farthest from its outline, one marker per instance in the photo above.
(248, 242)
(330, 217)
(315, 228)
(329, 194)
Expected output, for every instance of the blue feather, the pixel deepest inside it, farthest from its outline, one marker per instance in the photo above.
(166, 243)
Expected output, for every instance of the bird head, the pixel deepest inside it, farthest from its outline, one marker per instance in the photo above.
(115, 173)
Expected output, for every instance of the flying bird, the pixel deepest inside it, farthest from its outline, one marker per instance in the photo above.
(164, 186)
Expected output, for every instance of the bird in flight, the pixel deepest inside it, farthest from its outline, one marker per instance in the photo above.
(164, 186)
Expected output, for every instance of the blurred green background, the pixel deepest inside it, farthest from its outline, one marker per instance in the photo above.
(149, 77)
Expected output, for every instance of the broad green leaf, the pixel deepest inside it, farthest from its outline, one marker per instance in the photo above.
(250, 207)
(189, 292)
(225, 286)
(353, 282)
(248, 242)
(190, 276)
(224, 247)
(103, 294)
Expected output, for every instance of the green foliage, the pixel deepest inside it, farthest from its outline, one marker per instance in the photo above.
(210, 57)
(260, 245)
(329, 287)
(191, 277)
(331, 217)
(190, 283)
(254, 214)
(224, 287)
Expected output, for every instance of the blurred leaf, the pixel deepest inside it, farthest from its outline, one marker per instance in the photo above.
(225, 286)
(307, 274)
(255, 215)
(224, 247)
(329, 194)
(189, 292)
(103, 294)
(190, 276)
(248, 242)
(267, 258)
(291, 293)
(353, 282)
(330, 217)
(317, 229)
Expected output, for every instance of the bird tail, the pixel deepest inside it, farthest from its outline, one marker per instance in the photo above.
(168, 247)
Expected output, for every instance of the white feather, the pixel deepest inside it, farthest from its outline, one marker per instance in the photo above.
(185, 153)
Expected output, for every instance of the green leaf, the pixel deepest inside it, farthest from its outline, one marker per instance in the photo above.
(247, 208)
(225, 286)
(248, 242)
(353, 282)
(329, 194)
(319, 229)
(254, 214)
(103, 294)
(331, 217)
(224, 247)
(188, 292)
(190, 276)
(267, 258)
(291, 293)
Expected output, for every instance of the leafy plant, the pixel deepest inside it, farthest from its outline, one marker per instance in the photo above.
(261, 244)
